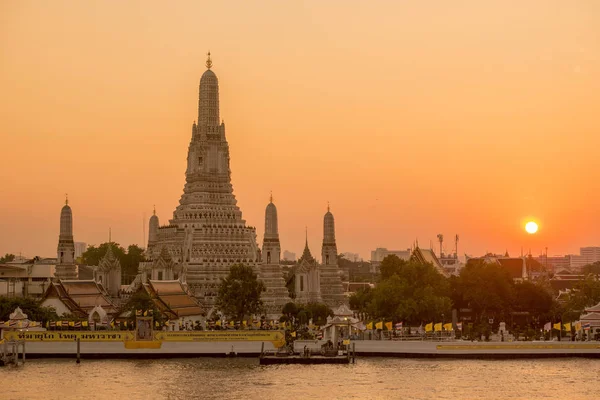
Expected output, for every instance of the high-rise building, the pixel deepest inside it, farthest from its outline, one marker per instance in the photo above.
(80, 248)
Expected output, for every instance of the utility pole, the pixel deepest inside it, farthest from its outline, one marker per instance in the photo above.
(441, 239)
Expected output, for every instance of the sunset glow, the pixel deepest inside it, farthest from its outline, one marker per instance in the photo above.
(531, 227)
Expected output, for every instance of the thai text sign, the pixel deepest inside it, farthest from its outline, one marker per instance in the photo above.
(66, 336)
(276, 337)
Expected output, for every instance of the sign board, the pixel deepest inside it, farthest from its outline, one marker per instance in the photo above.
(276, 337)
(70, 336)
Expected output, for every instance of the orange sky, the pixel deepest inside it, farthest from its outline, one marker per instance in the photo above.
(411, 118)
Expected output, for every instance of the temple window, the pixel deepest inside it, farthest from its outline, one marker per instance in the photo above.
(160, 275)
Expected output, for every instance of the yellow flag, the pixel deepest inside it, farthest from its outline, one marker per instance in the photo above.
(557, 326)
(146, 313)
(58, 323)
(112, 324)
(71, 323)
(388, 326)
(438, 327)
(429, 327)
(577, 326)
(293, 334)
(125, 324)
(84, 323)
(379, 325)
(230, 323)
(370, 325)
(156, 324)
(47, 324)
(282, 325)
(568, 327)
(346, 342)
(218, 323)
(245, 323)
(448, 326)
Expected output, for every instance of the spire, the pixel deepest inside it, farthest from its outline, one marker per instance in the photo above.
(208, 60)
(154, 211)
(66, 199)
(109, 235)
(306, 233)
(271, 198)
(328, 207)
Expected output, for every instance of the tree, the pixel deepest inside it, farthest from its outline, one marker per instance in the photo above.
(409, 291)
(93, 254)
(391, 265)
(239, 293)
(487, 288)
(31, 307)
(7, 258)
(592, 269)
(533, 298)
(361, 299)
(141, 301)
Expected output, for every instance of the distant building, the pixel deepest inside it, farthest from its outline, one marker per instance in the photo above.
(80, 248)
(24, 277)
(380, 253)
(354, 257)
(572, 262)
(289, 256)
(515, 266)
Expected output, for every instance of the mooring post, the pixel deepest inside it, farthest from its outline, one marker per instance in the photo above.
(262, 349)
(78, 351)
(353, 353)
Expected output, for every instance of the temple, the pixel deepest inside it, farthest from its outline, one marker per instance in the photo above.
(65, 252)
(207, 234)
(276, 295)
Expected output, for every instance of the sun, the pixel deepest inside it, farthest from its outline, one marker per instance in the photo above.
(531, 227)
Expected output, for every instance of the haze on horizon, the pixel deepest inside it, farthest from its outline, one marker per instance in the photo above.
(410, 118)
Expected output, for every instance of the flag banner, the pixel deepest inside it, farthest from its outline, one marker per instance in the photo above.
(577, 326)
(556, 326)
(388, 326)
(379, 325)
(429, 327)
(547, 327)
(59, 323)
(346, 342)
(568, 327)
(293, 334)
(78, 324)
(138, 313)
(399, 325)
(230, 323)
(448, 326)
(84, 323)
(146, 313)
(587, 325)
(52, 324)
(438, 327)
(218, 323)
(459, 326)
(370, 325)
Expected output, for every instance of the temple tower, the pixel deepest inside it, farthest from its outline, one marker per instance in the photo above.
(65, 252)
(109, 272)
(332, 289)
(207, 234)
(153, 228)
(276, 295)
(307, 278)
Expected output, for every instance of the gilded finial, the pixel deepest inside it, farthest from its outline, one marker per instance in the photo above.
(271, 198)
(66, 199)
(208, 60)
(154, 212)
(328, 207)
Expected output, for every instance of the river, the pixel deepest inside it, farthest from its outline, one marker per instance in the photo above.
(243, 378)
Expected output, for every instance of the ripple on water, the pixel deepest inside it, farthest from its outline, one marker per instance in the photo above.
(243, 378)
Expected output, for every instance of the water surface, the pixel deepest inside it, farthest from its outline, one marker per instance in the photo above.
(243, 378)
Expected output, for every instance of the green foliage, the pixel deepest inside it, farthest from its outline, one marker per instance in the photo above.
(303, 313)
(239, 293)
(129, 259)
(7, 258)
(592, 268)
(533, 298)
(360, 300)
(487, 288)
(585, 294)
(408, 291)
(141, 301)
(31, 307)
(391, 265)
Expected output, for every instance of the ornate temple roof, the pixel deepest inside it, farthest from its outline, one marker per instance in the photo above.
(171, 298)
(306, 256)
(110, 260)
(79, 296)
